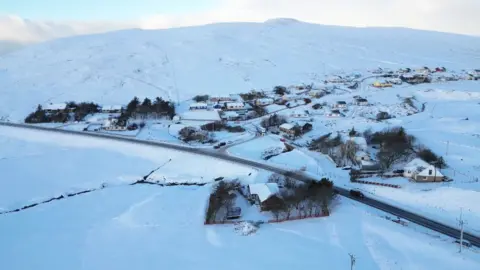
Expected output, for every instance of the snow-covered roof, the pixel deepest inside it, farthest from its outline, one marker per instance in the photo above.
(201, 115)
(199, 104)
(230, 114)
(235, 104)
(417, 162)
(265, 99)
(287, 126)
(264, 191)
(360, 141)
(111, 107)
(426, 172)
(54, 107)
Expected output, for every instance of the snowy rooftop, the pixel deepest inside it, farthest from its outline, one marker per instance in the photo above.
(235, 104)
(264, 191)
(201, 115)
(426, 171)
(287, 126)
(230, 114)
(57, 106)
(417, 162)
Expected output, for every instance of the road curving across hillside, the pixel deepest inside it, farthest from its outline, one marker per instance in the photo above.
(394, 210)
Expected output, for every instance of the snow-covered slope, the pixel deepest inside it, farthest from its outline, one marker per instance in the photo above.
(219, 58)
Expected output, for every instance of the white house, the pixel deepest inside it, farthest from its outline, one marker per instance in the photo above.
(260, 192)
(233, 106)
(112, 108)
(221, 99)
(419, 170)
(264, 101)
(58, 107)
(230, 116)
(287, 128)
(111, 125)
(198, 106)
(340, 105)
(300, 114)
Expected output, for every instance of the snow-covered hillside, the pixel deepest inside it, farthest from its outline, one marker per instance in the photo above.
(214, 59)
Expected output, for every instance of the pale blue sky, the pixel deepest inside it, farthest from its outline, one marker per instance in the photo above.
(100, 9)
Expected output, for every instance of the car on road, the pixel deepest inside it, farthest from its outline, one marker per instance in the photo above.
(357, 193)
(464, 243)
(283, 140)
(222, 144)
(216, 147)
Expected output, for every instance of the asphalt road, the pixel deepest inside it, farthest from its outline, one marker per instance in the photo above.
(407, 215)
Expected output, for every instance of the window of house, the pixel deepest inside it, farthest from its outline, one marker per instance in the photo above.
(430, 172)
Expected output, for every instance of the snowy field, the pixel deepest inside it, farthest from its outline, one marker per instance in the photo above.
(38, 165)
(147, 227)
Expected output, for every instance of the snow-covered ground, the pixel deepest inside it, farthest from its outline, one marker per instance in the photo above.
(145, 227)
(38, 165)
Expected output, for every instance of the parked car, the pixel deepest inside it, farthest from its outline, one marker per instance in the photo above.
(464, 242)
(357, 193)
(222, 144)
(216, 146)
(276, 132)
(399, 171)
(283, 140)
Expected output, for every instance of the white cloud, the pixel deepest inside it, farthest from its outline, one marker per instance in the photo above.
(458, 16)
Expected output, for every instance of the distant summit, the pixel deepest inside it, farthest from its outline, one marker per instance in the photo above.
(283, 21)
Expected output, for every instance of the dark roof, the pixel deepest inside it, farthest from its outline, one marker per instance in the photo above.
(335, 111)
(362, 100)
(341, 102)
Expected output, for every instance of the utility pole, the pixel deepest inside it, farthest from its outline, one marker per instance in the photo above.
(352, 261)
(448, 144)
(461, 223)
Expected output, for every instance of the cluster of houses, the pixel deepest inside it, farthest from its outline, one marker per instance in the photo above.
(217, 108)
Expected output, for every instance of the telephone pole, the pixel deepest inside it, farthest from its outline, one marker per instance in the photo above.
(448, 143)
(461, 222)
(352, 261)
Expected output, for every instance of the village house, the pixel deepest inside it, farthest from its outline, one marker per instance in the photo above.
(300, 114)
(420, 171)
(221, 99)
(261, 192)
(334, 113)
(198, 106)
(423, 70)
(263, 101)
(340, 105)
(54, 108)
(234, 106)
(378, 84)
(287, 128)
(361, 102)
(111, 108)
(316, 93)
(112, 125)
(231, 116)
(395, 81)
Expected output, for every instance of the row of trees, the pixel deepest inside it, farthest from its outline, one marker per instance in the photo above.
(40, 116)
(302, 199)
(147, 108)
(79, 111)
(220, 200)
